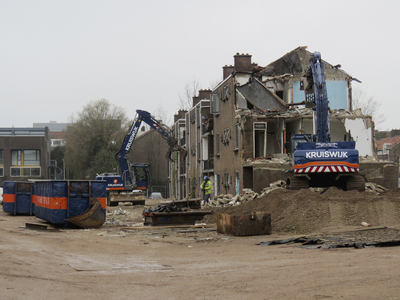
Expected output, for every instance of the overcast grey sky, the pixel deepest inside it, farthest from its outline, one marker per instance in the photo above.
(57, 55)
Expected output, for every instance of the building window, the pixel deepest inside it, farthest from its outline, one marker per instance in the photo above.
(227, 182)
(237, 189)
(29, 160)
(225, 93)
(279, 94)
(58, 142)
(31, 157)
(218, 184)
(1, 163)
(214, 103)
(25, 172)
(259, 139)
(16, 157)
(218, 144)
(15, 172)
(227, 136)
(200, 192)
(236, 136)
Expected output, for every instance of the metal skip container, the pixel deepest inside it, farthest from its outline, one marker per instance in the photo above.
(17, 197)
(79, 202)
(256, 223)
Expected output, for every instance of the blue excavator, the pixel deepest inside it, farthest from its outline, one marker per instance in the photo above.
(129, 185)
(316, 160)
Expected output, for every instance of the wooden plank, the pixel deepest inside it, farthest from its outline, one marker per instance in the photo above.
(178, 213)
(39, 226)
(169, 227)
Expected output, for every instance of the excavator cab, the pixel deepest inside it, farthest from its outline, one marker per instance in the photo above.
(296, 139)
(143, 176)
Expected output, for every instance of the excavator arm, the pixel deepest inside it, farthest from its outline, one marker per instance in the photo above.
(321, 98)
(164, 130)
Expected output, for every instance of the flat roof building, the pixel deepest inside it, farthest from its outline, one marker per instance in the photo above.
(24, 153)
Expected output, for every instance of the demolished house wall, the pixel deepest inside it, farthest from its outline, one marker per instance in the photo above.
(254, 115)
(362, 132)
(199, 146)
(227, 140)
(287, 73)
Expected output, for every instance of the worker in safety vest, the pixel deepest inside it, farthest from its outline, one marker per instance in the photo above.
(206, 187)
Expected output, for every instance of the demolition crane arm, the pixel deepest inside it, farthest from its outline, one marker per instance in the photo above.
(321, 98)
(164, 130)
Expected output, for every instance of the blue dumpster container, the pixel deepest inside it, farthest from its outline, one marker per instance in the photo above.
(58, 200)
(17, 197)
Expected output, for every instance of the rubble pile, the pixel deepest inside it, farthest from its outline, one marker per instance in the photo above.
(227, 200)
(310, 210)
(162, 208)
(375, 188)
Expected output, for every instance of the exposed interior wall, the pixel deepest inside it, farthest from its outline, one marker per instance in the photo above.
(362, 134)
(338, 131)
(271, 138)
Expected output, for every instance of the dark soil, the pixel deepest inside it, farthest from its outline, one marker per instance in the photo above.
(306, 211)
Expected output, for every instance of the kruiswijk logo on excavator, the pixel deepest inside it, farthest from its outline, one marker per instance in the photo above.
(327, 154)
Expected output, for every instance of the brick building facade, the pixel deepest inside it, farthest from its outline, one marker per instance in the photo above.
(250, 116)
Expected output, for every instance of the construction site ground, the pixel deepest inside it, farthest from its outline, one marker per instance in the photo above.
(123, 260)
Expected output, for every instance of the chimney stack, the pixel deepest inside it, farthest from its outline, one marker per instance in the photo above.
(227, 70)
(196, 99)
(242, 62)
(204, 94)
(180, 115)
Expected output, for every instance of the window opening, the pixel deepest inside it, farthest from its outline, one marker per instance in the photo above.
(259, 139)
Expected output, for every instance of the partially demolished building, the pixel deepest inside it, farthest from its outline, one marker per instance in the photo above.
(238, 133)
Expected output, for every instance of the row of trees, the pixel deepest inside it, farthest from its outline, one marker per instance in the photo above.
(93, 139)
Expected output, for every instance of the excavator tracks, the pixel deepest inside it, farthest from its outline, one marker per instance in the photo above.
(298, 183)
(355, 182)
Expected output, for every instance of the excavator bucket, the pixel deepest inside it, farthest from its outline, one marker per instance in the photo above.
(92, 217)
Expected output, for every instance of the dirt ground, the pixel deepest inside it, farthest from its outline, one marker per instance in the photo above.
(123, 261)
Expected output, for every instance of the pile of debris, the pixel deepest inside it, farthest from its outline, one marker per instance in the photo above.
(375, 188)
(249, 195)
(227, 200)
(162, 208)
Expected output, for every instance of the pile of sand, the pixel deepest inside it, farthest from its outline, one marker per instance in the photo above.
(306, 211)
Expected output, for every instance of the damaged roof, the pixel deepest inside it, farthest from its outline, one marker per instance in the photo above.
(289, 63)
(260, 96)
(297, 62)
(301, 112)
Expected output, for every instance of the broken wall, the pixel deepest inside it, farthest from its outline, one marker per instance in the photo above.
(361, 130)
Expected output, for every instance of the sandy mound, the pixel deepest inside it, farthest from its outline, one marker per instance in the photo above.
(306, 211)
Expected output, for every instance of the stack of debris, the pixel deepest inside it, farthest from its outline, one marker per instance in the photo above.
(375, 188)
(249, 195)
(162, 208)
(227, 200)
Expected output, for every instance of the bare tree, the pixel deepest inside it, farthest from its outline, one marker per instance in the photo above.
(161, 114)
(368, 105)
(190, 90)
(215, 83)
(93, 139)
